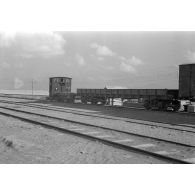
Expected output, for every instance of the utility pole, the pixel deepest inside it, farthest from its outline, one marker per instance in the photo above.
(32, 86)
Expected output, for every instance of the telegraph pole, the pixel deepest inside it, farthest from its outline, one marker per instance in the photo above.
(32, 86)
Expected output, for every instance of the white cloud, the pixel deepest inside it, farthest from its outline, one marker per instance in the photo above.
(6, 40)
(18, 83)
(122, 58)
(4, 65)
(191, 56)
(34, 44)
(135, 61)
(102, 50)
(18, 65)
(109, 67)
(80, 59)
(129, 64)
(132, 61)
(100, 58)
(127, 68)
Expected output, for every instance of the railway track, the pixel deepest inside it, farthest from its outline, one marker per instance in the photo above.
(172, 126)
(173, 135)
(165, 150)
(126, 107)
(181, 131)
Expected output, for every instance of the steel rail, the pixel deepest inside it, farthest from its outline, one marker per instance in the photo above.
(92, 115)
(98, 126)
(104, 141)
(135, 108)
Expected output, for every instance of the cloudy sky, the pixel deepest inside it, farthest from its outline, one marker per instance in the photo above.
(94, 59)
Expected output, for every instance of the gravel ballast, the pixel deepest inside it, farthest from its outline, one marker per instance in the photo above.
(21, 142)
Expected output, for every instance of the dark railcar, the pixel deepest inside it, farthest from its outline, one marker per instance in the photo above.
(92, 95)
(159, 98)
(187, 81)
(130, 93)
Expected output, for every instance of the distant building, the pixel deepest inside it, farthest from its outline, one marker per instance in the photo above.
(59, 85)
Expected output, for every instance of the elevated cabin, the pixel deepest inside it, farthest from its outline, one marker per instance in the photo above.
(59, 85)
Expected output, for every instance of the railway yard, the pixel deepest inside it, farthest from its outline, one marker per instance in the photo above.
(43, 131)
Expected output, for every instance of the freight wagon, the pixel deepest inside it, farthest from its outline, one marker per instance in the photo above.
(161, 99)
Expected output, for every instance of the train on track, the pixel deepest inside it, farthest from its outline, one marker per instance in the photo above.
(161, 99)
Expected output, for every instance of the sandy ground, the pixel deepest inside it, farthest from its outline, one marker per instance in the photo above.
(152, 131)
(22, 142)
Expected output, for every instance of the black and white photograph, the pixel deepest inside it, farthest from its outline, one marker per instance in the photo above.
(97, 97)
